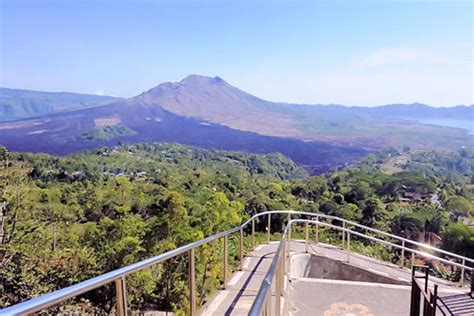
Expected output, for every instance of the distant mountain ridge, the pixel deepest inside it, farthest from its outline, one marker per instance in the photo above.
(420, 110)
(211, 113)
(187, 96)
(17, 103)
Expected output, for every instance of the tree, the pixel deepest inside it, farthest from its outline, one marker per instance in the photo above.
(373, 214)
(459, 238)
(359, 191)
(407, 226)
(124, 187)
(349, 211)
(219, 214)
(315, 187)
(329, 207)
(338, 198)
(255, 205)
(171, 222)
(459, 206)
(435, 223)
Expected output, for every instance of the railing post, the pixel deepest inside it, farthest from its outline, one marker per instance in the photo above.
(192, 283)
(225, 261)
(412, 259)
(265, 311)
(461, 281)
(269, 225)
(241, 248)
(426, 278)
(121, 293)
(289, 230)
(403, 254)
(343, 234)
(269, 302)
(306, 235)
(253, 233)
(472, 283)
(348, 246)
(435, 300)
(317, 229)
(289, 238)
(283, 272)
(278, 287)
(415, 295)
(288, 250)
(284, 262)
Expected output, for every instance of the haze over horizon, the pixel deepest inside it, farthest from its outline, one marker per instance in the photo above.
(312, 53)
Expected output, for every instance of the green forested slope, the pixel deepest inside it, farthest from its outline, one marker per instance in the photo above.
(67, 219)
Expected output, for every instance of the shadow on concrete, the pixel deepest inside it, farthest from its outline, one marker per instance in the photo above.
(245, 285)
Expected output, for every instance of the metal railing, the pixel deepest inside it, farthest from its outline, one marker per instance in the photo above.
(421, 295)
(118, 277)
(278, 270)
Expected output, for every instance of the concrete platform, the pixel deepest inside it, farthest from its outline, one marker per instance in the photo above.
(334, 297)
(309, 296)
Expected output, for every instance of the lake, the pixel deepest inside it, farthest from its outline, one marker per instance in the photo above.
(465, 124)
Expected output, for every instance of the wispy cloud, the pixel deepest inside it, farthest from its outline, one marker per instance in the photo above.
(404, 74)
(408, 56)
(99, 92)
(390, 56)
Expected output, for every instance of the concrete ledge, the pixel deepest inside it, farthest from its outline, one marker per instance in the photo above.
(320, 267)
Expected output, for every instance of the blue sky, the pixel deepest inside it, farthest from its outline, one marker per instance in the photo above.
(346, 52)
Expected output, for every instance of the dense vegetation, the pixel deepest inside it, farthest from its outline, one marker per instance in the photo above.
(105, 133)
(66, 219)
(449, 166)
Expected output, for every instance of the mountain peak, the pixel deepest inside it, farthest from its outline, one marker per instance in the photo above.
(192, 83)
(199, 79)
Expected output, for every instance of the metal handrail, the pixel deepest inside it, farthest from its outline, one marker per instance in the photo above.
(50, 299)
(118, 276)
(416, 243)
(352, 232)
(262, 302)
(266, 286)
(421, 294)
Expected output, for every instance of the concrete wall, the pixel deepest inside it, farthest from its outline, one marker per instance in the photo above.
(317, 267)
